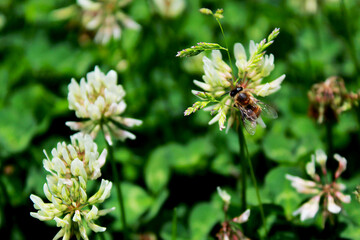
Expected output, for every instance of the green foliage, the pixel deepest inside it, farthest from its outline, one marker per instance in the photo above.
(136, 200)
(202, 218)
(280, 191)
(15, 132)
(157, 170)
(176, 161)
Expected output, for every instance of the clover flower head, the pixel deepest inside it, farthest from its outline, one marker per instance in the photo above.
(330, 192)
(219, 78)
(100, 99)
(230, 230)
(70, 168)
(106, 18)
(170, 8)
(329, 99)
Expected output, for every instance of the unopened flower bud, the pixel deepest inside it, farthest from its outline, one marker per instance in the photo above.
(224, 195)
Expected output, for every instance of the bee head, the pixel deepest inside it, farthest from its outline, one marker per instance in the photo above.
(235, 91)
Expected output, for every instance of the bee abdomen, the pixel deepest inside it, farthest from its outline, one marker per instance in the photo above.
(254, 108)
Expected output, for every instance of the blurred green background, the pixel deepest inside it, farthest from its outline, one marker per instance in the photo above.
(176, 161)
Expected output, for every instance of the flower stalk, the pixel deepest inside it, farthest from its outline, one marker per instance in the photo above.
(242, 145)
(226, 45)
(174, 225)
(117, 187)
(244, 154)
(329, 138)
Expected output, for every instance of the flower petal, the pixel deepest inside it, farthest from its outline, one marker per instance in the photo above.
(309, 209)
(342, 165)
(243, 217)
(332, 206)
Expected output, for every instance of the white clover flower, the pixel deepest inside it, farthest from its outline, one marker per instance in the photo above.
(319, 186)
(105, 17)
(219, 79)
(169, 8)
(70, 167)
(329, 99)
(100, 99)
(228, 229)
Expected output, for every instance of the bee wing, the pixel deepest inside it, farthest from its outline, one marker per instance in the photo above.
(249, 125)
(249, 120)
(260, 121)
(267, 110)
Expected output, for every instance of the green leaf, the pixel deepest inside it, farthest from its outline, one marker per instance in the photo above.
(303, 126)
(202, 219)
(35, 181)
(41, 55)
(279, 148)
(39, 101)
(222, 164)
(280, 191)
(192, 157)
(136, 202)
(12, 185)
(29, 112)
(38, 10)
(157, 169)
(16, 131)
(166, 232)
(156, 206)
(4, 79)
(351, 217)
(199, 48)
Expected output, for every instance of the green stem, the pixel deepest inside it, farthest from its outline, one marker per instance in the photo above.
(242, 145)
(117, 186)
(247, 156)
(174, 225)
(226, 45)
(348, 39)
(329, 138)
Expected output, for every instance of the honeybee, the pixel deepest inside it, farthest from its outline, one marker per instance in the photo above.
(251, 109)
